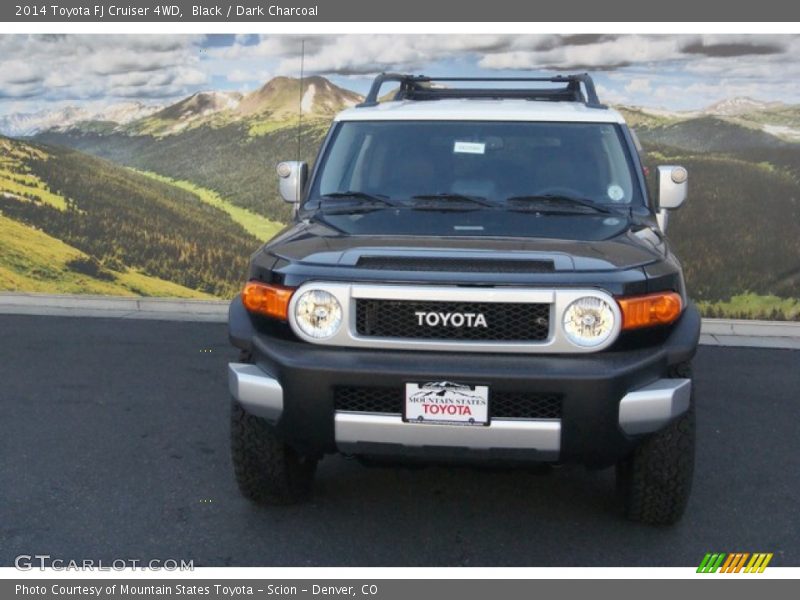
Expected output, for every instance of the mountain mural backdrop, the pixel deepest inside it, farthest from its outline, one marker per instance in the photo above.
(171, 200)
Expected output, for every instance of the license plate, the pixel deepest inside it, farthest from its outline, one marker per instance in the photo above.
(445, 402)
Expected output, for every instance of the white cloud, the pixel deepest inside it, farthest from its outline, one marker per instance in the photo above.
(611, 96)
(267, 46)
(248, 75)
(638, 85)
(61, 67)
(604, 54)
(366, 54)
(662, 69)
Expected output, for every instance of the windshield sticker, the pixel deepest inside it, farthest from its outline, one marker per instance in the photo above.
(615, 192)
(469, 147)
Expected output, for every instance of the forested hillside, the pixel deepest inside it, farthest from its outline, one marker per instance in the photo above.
(228, 160)
(119, 221)
(32, 261)
(739, 234)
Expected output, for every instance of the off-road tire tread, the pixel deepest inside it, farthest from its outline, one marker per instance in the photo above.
(657, 479)
(267, 470)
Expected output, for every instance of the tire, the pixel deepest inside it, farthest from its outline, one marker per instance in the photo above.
(656, 480)
(268, 471)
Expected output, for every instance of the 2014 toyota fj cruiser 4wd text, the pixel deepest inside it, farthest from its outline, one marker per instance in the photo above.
(473, 274)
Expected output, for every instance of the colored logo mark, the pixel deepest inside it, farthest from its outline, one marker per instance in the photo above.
(737, 562)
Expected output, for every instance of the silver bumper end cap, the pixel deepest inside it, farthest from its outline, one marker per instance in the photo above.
(354, 430)
(258, 392)
(650, 408)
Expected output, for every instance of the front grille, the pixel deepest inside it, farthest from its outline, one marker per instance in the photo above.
(369, 399)
(505, 322)
(525, 405)
(450, 264)
(502, 405)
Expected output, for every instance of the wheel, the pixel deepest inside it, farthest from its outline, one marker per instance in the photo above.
(268, 471)
(656, 480)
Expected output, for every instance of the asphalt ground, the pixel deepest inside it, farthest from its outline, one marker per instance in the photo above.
(114, 438)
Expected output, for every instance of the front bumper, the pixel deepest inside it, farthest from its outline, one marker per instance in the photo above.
(609, 399)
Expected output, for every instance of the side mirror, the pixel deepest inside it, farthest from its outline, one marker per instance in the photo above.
(672, 187)
(292, 176)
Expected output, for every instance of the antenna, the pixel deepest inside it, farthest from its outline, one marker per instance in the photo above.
(300, 102)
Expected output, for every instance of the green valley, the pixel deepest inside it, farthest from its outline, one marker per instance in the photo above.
(32, 261)
(256, 225)
(238, 166)
(74, 222)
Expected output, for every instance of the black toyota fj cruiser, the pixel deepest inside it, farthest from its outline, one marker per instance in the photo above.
(473, 274)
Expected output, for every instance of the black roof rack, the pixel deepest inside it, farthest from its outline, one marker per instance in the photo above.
(418, 87)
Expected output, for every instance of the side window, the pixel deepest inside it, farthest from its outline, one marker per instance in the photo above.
(619, 189)
(636, 141)
(361, 165)
(337, 173)
(649, 177)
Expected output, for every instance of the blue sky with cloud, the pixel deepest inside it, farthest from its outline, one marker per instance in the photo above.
(674, 72)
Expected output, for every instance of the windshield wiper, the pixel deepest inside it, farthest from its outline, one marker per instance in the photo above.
(357, 195)
(449, 197)
(560, 199)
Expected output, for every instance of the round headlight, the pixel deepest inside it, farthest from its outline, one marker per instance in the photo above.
(588, 321)
(318, 314)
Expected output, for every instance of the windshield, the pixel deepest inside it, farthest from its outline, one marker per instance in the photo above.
(470, 162)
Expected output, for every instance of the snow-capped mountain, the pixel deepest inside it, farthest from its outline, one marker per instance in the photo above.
(277, 101)
(278, 98)
(740, 116)
(24, 124)
(200, 105)
(731, 107)
(125, 112)
(27, 124)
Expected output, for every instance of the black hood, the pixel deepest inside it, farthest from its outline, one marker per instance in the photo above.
(314, 243)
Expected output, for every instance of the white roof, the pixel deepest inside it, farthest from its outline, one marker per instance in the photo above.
(471, 109)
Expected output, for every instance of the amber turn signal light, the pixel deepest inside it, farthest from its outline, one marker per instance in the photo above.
(662, 308)
(267, 299)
